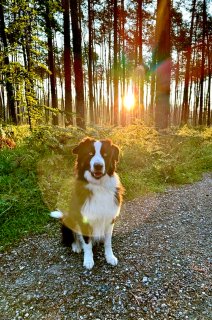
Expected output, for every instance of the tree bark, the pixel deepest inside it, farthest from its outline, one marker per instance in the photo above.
(67, 63)
(123, 110)
(9, 86)
(90, 61)
(51, 65)
(202, 66)
(163, 60)
(78, 71)
(209, 83)
(185, 106)
(115, 61)
(140, 59)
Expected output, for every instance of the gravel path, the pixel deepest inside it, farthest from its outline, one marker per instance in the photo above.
(163, 243)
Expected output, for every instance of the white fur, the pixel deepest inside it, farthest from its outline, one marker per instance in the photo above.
(56, 214)
(76, 247)
(88, 261)
(110, 258)
(97, 158)
(100, 210)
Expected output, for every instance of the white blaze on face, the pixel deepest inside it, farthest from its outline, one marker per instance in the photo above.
(97, 158)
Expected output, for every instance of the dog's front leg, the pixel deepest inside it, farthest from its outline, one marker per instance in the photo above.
(88, 262)
(110, 258)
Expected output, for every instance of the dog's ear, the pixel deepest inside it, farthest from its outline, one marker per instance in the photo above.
(115, 152)
(114, 148)
(83, 142)
(76, 149)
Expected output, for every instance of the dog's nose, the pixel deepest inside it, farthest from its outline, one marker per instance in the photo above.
(98, 166)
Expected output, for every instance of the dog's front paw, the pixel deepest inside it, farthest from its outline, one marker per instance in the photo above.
(88, 263)
(111, 259)
(76, 247)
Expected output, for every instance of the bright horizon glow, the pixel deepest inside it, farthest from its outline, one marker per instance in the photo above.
(129, 99)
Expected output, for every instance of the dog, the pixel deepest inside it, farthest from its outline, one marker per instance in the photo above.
(96, 200)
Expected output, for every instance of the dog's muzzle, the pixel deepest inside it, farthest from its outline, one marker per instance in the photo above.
(98, 171)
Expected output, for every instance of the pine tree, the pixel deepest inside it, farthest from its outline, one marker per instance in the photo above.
(78, 70)
(8, 83)
(163, 61)
(67, 62)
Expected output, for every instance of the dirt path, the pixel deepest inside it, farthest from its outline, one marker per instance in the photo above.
(163, 243)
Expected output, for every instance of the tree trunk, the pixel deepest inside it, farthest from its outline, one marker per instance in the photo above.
(140, 59)
(90, 61)
(163, 60)
(115, 76)
(196, 105)
(209, 84)
(123, 111)
(152, 87)
(2, 117)
(67, 63)
(51, 65)
(177, 74)
(185, 106)
(27, 64)
(9, 86)
(78, 72)
(202, 67)
(108, 72)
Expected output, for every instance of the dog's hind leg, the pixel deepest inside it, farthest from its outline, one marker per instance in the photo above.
(71, 239)
(67, 236)
(76, 245)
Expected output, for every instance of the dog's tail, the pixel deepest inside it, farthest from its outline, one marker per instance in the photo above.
(56, 214)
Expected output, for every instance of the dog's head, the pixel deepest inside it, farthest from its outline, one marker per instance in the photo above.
(96, 157)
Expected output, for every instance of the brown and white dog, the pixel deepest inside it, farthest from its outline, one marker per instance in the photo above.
(96, 200)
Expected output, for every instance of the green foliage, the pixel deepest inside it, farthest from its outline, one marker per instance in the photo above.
(37, 176)
(20, 195)
(25, 29)
(31, 177)
(151, 160)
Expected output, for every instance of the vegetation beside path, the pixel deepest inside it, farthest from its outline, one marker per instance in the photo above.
(36, 174)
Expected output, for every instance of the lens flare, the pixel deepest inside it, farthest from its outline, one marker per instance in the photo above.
(129, 101)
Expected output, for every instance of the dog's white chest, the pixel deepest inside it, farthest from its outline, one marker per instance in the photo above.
(100, 209)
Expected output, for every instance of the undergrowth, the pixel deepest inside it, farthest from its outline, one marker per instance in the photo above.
(37, 175)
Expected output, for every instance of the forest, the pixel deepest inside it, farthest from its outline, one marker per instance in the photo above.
(139, 74)
(95, 62)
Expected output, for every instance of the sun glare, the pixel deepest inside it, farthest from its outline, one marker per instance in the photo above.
(129, 101)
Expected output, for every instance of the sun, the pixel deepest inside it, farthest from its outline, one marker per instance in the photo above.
(129, 100)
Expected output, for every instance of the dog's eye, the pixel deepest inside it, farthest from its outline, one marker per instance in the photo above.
(105, 154)
(91, 154)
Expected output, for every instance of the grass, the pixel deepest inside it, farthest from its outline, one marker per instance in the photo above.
(37, 175)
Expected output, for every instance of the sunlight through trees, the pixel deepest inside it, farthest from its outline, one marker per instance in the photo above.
(72, 62)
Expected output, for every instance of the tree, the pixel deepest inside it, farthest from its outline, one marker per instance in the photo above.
(163, 62)
(115, 62)
(209, 81)
(9, 86)
(185, 106)
(112, 45)
(202, 65)
(51, 62)
(140, 56)
(78, 71)
(123, 111)
(67, 62)
(90, 60)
